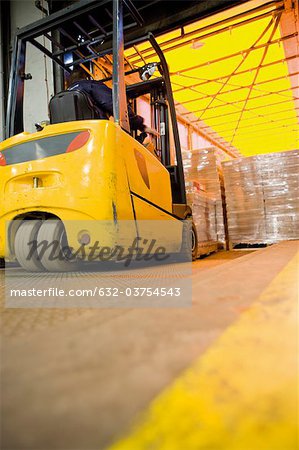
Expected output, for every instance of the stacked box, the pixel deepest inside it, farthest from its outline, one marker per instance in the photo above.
(262, 198)
(204, 193)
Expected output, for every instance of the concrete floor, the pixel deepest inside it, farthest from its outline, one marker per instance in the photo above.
(78, 379)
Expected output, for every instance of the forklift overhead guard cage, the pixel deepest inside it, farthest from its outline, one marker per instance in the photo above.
(105, 26)
(97, 43)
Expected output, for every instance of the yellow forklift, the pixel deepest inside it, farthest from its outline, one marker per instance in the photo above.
(78, 172)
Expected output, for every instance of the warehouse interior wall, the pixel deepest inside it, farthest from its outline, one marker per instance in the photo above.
(39, 90)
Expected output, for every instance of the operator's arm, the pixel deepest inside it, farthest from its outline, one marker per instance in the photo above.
(136, 122)
(102, 96)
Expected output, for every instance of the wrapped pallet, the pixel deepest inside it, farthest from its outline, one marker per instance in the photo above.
(204, 215)
(262, 198)
(204, 196)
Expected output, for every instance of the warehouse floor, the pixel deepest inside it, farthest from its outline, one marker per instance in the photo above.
(218, 375)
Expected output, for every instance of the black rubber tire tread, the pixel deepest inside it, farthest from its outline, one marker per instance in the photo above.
(27, 232)
(187, 239)
(195, 250)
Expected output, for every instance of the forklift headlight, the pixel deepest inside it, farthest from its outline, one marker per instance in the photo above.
(147, 71)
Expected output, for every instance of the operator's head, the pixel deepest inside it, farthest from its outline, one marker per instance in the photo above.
(77, 74)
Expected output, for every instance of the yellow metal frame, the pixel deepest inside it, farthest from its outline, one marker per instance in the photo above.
(112, 179)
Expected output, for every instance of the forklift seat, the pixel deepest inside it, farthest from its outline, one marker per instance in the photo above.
(67, 106)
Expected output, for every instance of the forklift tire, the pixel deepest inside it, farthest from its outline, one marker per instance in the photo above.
(190, 240)
(2, 263)
(26, 233)
(55, 258)
(194, 241)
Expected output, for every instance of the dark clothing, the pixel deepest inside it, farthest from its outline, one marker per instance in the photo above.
(101, 96)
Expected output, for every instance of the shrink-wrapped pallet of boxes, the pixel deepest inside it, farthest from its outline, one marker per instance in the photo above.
(262, 198)
(204, 196)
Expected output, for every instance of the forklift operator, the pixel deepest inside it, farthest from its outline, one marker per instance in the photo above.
(101, 96)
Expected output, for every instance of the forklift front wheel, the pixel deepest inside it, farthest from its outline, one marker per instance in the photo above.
(194, 242)
(190, 240)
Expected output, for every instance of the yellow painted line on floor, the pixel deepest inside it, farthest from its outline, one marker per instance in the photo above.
(243, 393)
